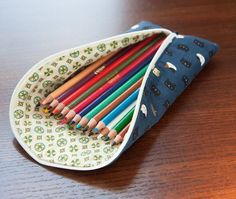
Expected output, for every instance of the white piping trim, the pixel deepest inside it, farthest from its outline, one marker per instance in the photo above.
(157, 55)
(167, 41)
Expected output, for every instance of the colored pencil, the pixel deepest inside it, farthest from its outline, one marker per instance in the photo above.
(104, 95)
(119, 138)
(75, 79)
(112, 101)
(140, 57)
(71, 90)
(109, 117)
(105, 72)
(105, 75)
(129, 70)
(121, 124)
(115, 121)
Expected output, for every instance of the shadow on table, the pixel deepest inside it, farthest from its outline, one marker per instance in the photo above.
(122, 172)
(116, 176)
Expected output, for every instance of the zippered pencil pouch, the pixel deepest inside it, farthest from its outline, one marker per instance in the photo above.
(175, 64)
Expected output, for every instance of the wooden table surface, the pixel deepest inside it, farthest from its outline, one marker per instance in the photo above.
(191, 153)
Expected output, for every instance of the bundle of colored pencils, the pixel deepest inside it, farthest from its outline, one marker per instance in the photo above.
(101, 99)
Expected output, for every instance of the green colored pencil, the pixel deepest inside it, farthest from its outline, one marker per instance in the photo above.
(113, 73)
(112, 97)
(121, 124)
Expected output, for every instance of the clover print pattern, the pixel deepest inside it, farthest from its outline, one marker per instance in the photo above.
(23, 95)
(39, 147)
(63, 69)
(114, 44)
(63, 158)
(88, 50)
(39, 129)
(125, 41)
(18, 114)
(61, 142)
(74, 54)
(47, 83)
(101, 47)
(37, 100)
(42, 135)
(34, 77)
(48, 72)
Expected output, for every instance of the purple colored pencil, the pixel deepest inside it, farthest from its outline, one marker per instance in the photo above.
(90, 76)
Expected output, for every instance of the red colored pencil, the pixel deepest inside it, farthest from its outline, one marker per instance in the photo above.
(146, 55)
(106, 71)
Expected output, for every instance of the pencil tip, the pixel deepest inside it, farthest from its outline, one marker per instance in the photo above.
(51, 114)
(45, 110)
(38, 105)
(106, 138)
(95, 130)
(113, 143)
(72, 122)
(70, 127)
(90, 133)
(78, 126)
(85, 128)
(99, 136)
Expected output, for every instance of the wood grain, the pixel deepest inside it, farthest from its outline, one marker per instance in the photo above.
(191, 153)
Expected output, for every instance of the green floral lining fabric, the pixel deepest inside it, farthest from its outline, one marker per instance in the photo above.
(43, 136)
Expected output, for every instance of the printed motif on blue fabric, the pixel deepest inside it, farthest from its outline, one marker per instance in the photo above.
(185, 80)
(183, 47)
(179, 63)
(199, 43)
(170, 85)
(186, 63)
(155, 90)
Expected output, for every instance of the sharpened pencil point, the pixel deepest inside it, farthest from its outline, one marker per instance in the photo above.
(70, 127)
(106, 138)
(38, 105)
(113, 143)
(99, 136)
(90, 133)
(95, 130)
(72, 122)
(78, 126)
(45, 110)
(51, 114)
(85, 128)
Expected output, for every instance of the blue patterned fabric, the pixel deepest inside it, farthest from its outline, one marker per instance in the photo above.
(143, 25)
(179, 64)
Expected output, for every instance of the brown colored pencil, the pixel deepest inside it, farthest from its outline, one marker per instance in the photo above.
(119, 138)
(93, 122)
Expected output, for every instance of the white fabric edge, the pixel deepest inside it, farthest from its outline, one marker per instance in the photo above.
(157, 55)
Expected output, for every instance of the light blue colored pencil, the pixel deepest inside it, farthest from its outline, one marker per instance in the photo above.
(115, 112)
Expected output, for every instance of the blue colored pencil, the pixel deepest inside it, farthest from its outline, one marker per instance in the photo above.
(79, 115)
(115, 112)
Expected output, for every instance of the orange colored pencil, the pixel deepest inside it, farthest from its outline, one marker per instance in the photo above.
(76, 79)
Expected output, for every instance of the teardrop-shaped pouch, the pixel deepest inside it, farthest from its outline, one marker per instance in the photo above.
(176, 63)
